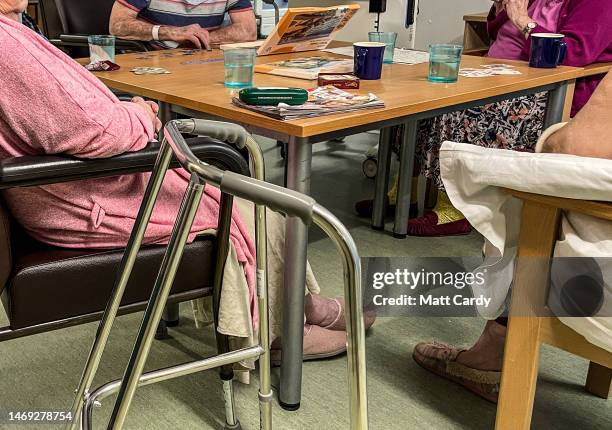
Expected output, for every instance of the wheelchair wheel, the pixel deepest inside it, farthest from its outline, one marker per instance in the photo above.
(370, 167)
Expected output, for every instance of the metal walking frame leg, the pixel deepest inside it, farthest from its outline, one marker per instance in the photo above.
(226, 372)
(124, 272)
(355, 330)
(159, 296)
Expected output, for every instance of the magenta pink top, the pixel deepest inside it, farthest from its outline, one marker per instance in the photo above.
(587, 27)
(49, 104)
(510, 40)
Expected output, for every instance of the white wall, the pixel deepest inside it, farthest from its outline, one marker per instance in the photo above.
(439, 21)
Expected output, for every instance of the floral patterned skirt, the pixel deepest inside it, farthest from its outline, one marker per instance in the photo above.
(511, 124)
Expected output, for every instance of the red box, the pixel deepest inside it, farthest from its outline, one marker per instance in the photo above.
(344, 81)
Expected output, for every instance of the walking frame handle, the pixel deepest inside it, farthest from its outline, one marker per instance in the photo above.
(277, 198)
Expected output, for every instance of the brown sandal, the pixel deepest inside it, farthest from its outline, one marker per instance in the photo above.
(441, 360)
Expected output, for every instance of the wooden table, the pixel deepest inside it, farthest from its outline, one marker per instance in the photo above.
(196, 85)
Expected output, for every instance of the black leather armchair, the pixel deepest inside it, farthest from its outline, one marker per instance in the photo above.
(45, 288)
(83, 18)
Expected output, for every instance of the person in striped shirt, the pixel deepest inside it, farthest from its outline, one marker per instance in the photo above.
(170, 23)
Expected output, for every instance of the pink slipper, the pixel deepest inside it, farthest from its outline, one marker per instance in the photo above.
(318, 343)
(441, 359)
(329, 313)
(427, 226)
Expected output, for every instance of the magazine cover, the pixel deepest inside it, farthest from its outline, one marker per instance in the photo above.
(307, 29)
(307, 67)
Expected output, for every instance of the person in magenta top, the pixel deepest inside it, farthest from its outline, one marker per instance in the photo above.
(50, 104)
(512, 124)
(586, 25)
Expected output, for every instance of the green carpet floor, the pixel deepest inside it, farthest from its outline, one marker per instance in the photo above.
(39, 373)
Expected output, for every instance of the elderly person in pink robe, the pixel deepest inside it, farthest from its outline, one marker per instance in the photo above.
(50, 104)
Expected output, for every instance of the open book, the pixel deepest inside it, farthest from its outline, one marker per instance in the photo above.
(307, 67)
(307, 29)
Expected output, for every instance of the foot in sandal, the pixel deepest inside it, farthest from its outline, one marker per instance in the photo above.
(478, 369)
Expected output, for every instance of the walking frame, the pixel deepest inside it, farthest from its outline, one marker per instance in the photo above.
(264, 195)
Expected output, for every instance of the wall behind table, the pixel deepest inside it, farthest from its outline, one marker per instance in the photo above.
(440, 21)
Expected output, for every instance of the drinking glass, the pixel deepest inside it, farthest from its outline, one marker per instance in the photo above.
(444, 63)
(239, 64)
(101, 48)
(389, 39)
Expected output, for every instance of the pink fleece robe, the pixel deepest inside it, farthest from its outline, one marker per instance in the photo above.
(49, 104)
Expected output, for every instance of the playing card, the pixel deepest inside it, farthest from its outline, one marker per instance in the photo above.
(505, 72)
(475, 73)
(149, 71)
(204, 61)
(489, 70)
(498, 66)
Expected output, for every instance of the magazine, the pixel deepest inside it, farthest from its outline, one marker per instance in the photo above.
(321, 101)
(307, 29)
(307, 67)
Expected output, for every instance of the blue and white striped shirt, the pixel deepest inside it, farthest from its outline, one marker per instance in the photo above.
(209, 14)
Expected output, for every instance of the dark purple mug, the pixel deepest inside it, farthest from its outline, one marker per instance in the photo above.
(548, 50)
(369, 58)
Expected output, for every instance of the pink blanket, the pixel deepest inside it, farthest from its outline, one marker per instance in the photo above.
(49, 104)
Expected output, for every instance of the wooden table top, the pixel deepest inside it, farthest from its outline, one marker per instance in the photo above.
(196, 82)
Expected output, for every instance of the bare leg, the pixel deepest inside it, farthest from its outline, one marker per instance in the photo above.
(488, 351)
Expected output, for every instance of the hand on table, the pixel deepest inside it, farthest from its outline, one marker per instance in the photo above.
(518, 13)
(151, 109)
(192, 33)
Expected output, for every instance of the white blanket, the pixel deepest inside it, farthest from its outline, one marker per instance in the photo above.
(473, 177)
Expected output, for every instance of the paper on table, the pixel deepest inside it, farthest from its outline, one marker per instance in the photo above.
(401, 56)
(410, 56)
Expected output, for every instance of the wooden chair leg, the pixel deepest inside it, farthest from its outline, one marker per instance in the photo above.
(539, 229)
(520, 374)
(599, 380)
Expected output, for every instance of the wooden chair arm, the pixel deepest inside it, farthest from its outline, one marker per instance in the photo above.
(596, 69)
(601, 210)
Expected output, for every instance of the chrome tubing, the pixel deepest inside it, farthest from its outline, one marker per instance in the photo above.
(355, 330)
(125, 270)
(159, 296)
(296, 204)
(278, 199)
(160, 375)
(236, 135)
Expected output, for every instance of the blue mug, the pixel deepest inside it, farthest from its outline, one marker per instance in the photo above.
(548, 50)
(369, 57)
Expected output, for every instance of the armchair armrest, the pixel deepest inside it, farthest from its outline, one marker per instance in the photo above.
(601, 210)
(81, 40)
(52, 169)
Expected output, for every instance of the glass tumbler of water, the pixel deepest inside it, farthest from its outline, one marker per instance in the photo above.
(388, 39)
(444, 63)
(101, 48)
(238, 64)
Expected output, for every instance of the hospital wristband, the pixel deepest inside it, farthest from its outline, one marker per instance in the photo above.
(155, 32)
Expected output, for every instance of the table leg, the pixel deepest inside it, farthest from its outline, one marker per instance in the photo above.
(406, 167)
(556, 105)
(165, 114)
(299, 164)
(382, 178)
